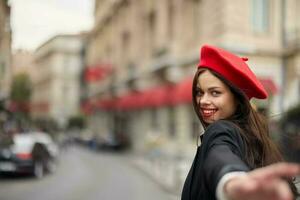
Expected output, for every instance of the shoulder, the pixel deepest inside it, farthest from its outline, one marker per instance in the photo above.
(222, 126)
(223, 132)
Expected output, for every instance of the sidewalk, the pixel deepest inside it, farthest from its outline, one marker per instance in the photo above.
(166, 170)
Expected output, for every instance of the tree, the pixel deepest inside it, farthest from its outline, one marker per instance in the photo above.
(21, 88)
(77, 121)
(20, 100)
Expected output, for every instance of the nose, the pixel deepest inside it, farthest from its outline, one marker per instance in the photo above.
(204, 100)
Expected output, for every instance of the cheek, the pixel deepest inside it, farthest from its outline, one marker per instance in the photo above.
(230, 109)
(226, 107)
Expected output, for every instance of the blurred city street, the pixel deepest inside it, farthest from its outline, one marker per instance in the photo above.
(84, 174)
(114, 78)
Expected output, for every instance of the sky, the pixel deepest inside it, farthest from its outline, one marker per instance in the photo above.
(35, 21)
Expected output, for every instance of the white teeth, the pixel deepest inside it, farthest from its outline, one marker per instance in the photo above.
(208, 111)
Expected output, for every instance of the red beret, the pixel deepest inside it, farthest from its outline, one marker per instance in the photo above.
(232, 68)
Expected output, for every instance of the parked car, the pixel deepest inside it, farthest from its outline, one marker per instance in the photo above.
(33, 152)
(112, 143)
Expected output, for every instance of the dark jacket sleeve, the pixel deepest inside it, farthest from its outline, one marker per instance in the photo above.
(224, 152)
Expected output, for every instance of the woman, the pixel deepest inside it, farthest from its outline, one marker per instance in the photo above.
(231, 162)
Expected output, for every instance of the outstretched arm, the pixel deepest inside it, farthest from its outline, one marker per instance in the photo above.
(263, 183)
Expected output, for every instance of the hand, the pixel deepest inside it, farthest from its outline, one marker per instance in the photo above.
(263, 183)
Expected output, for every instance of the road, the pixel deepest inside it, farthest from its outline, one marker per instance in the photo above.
(83, 174)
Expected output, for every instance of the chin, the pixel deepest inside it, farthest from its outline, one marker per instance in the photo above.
(209, 121)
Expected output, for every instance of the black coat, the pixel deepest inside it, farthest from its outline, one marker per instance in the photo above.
(222, 151)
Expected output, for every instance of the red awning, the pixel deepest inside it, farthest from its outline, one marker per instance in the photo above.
(182, 92)
(128, 101)
(106, 103)
(269, 85)
(97, 72)
(151, 98)
(157, 96)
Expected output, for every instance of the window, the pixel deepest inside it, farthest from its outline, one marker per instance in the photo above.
(172, 123)
(2, 68)
(152, 26)
(196, 17)
(154, 119)
(131, 70)
(126, 45)
(260, 15)
(170, 19)
(7, 25)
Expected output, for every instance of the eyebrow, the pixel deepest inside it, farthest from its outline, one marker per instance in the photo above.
(211, 88)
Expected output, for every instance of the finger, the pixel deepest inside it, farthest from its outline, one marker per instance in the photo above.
(283, 190)
(276, 170)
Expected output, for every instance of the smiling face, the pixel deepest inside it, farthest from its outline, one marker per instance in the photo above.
(214, 99)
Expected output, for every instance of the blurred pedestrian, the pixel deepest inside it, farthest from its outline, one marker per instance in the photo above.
(236, 158)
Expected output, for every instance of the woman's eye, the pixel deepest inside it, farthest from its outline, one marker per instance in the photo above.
(215, 93)
(199, 93)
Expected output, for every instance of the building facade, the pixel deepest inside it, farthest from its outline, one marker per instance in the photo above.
(153, 44)
(22, 62)
(5, 49)
(56, 79)
(291, 58)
